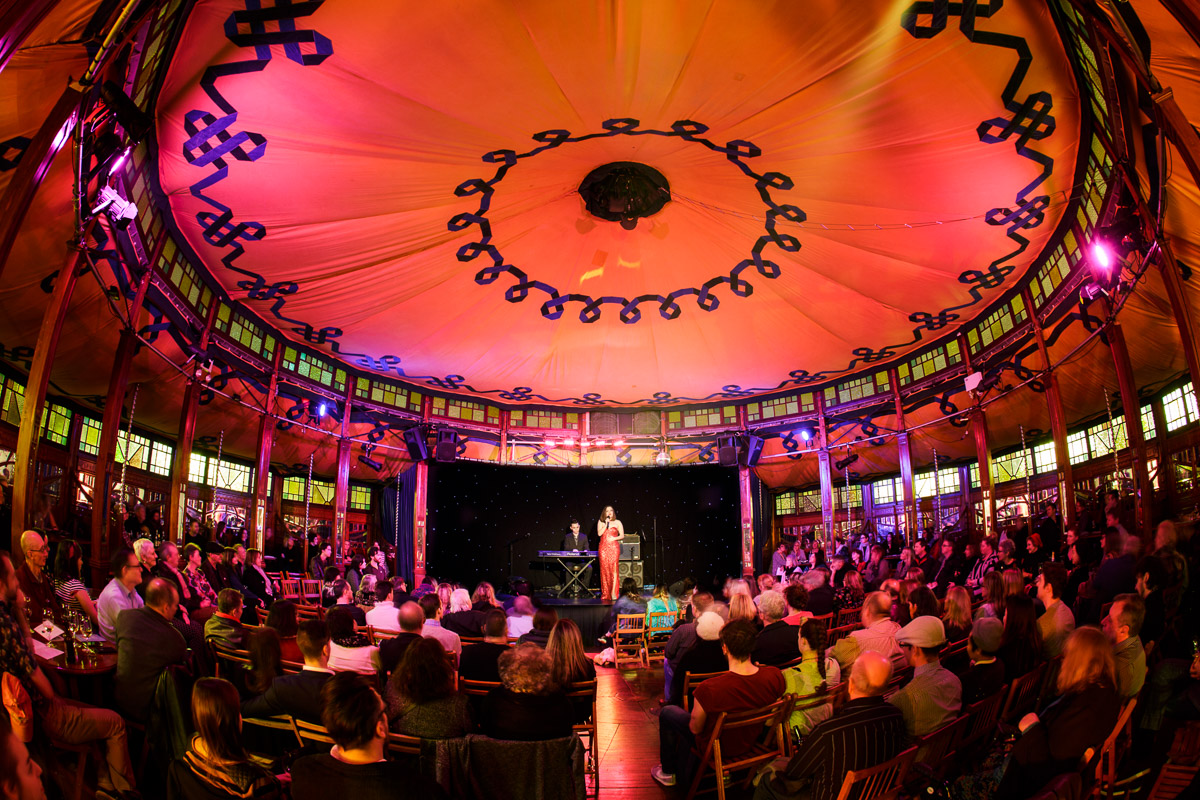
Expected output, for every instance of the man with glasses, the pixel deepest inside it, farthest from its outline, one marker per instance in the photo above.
(40, 600)
(121, 592)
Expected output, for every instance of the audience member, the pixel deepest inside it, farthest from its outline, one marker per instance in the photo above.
(148, 557)
(850, 594)
(479, 662)
(957, 618)
(877, 569)
(776, 643)
(878, 633)
(1121, 626)
(225, 627)
(147, 645)
(318, 563)
(527, 706)
(1115, 575)
(796, 596)
(815, 673)
(121, 592)
(820, 593)
(384, 616)
(69, 585)
(950, 570)
(570, 664)
(20, 775)
(1149, 587)
(705, 656)
(40, 600)
(543, 622)
(343, 594)
(421, 695)
(266, 659)
(283, 620)
(254, 576)
(217, 764)
(923, 603)
(864, 732)
(197, 607)
(984, 565)
(985, 676)
(462, 618)
(66, 720)
(410, 618)
(743, 687)
(520, 621)
(357, 766)
(934, 695)
(1021, 648)
(1175, 566)
(432, 607)
(741, 606)
(298, 695)
(682, 639)
(995, 595)
(484, 598)
(1007, 556)
(349, 650)
(197, 577)
(1057, 622)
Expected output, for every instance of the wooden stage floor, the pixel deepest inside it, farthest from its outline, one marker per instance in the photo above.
(627, 732)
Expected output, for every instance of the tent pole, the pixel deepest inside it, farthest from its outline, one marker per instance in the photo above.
(827, 510)
(180, 467)
(341, 491)
(1132, 409)
(904, 454)
(1058, 421)
(262, 456)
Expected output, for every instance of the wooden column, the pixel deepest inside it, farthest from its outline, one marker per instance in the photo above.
(1058, 423)
(904, 454)
(504, 438)
(828, 518)
(55, 315)
(747, 521)
(420, 512)
(18, 19)
(1132, 408)
(1182, 311)
(983, 453)
(262, 456)
(177, 503)
(341, 489)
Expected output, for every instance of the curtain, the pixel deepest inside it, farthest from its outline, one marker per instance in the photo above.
(399, 531)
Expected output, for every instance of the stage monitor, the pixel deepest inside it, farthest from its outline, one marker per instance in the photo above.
(749, 456)
(418, 446)
(447, 447)
(727, 451)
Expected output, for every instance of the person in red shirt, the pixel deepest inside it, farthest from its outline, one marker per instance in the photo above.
(743, 688)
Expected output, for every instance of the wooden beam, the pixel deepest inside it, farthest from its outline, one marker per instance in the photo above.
(55, 315)
(983, 453)
(904, 455)
(18, 19)
(262, 456)
(341, 489)
(1177, 294)
(35, 163)
(1132, 408)
(177, 503)
(747, 521)
(1186, 15)
(828, 518)
(1177, 128)
(420, 513)
(1058, 422)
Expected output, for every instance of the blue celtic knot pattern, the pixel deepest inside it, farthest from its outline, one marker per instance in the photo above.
(737, 152)
(792, 445)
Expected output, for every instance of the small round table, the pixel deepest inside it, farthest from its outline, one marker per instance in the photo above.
(88, 665)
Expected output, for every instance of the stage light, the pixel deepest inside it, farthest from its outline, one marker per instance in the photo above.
(548, 443)
(1102, 258)
(663, 458)
(370, 462)
(585, 444)
(321, 409)
(120, 160)
(619, 443)
(806, 433)
(845, 462)
(568, 442)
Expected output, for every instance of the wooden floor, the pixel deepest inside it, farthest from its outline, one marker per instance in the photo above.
(627, 732)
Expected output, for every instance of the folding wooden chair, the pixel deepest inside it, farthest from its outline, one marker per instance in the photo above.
(400, 745)
(310, 590)
(477, 688)
(81, 753)
(229, 664)
(693, 679)
(1111, 753)
(1049, 687)
(629, 639)
(1022, 695)
(289, 589)
(826, 619)
(835, 635)
(982, 717)
(849, 616)
(282, 722)
(310, 733)
(881, 782)
(658, 630)
(934, 747)
(304, 611)
(586, 730)
(770, 718)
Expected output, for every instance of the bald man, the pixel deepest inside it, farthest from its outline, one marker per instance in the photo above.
(40, 600)
(147, 643)
(412, 619)
(864, 732)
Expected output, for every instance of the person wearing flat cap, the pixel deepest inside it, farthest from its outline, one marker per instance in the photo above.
(934, 695)
(985, 676)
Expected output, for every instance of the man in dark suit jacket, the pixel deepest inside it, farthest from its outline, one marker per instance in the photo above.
(412, 618)
(820, 593)
(480, 662)
(225, 626)
(344, 594)
(575, 540)
(298, 695)
(147, 643)
(777, 642)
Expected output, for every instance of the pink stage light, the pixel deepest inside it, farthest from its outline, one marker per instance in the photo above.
(568, 442)
(120, 160)
(1102, 258)
(548, 443)
(619, 443)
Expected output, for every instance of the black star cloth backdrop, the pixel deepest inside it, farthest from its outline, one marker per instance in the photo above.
(476, 510)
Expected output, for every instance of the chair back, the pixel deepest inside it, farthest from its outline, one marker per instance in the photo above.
(580, 693)
(982, 717)
(310, 589)
(825, 619)
(289, 589)
(849, 616)
(1023, 694)
(1113, 750)
(693, 679)
(305, 611)
(933, 747)
(228, 663)
(283, 722)
(400, 745)
(1049, 688)
(310, 732)
(477, 688)
(881, 782)
(768, 719)
(629, 639)
(835, 635)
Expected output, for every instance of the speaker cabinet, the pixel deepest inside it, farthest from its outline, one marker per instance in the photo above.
(447, 447)
(631, 569)
(418, 446)
(754, 445)
(727, 451)
(631, 551)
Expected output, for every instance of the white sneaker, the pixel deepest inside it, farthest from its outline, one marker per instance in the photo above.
(662, 777)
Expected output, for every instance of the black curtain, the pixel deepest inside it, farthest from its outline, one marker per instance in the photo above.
(688, 519)
(385, 502)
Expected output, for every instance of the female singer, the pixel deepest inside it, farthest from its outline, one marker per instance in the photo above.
(610, 532)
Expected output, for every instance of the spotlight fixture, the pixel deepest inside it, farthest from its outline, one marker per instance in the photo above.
(321, 410)
(1102, 258)
(366, 459)
(663, 459)
(120, 211)
(806, 433)
(845, 462)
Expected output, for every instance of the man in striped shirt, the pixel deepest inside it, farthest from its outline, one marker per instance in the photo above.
(864, 732)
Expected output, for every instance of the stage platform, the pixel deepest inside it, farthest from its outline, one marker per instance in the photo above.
(588, 613)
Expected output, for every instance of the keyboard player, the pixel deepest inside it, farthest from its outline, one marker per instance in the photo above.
(575, 540)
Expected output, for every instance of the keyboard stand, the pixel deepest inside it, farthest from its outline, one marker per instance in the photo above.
(574, 572)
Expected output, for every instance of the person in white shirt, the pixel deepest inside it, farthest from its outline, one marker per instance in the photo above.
(121, 592)
(349, 651)
(432, 629)
(384, 616)
(520, 621)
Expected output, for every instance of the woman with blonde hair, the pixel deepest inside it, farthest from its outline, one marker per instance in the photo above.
(742, 607)
(570, 664)
(484, 598)
(957, 616)
(444, 590)
(528, 705)
(1054, 739)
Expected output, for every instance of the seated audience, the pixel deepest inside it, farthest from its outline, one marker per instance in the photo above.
(1007, 556)
(985, 676)
(878, 633)
(1175, 566)
(957, 617)
(995, 594)
(320, 562)
(479, 662)
(527, 706)
(120, 594)
(950, 571)
(520, 620)
(743, 687)
(544, 620)
(343, 594)
(484, 598)
(147, 644)
(662, 607)
(776, 643)
(864, 732)
(196, 577)
(1014, 582)
(1115, 574)
(796, 596)
(1057, 622)
(265, 659)
(148, 557)
(923, 603)
(20, 775)
(1021, 648)
(705, 656)
(40, 600)
(850, 594)
(1035, 555)
(384, 616)
(225, 627)
(357, 766)
(283, 620)
(569, 664)
(349, 651)
(741, 606)
(1121, 626)
(1149, 583)
(254, 576)
(298, 695)
(934, 695)
(815, 673)
(985, 565)
(877, 569)
(1053, 740)
(66, 720)
(410, 618)
(432, 607)
(198, 608)
(69, 584)
(462, 618)
(421, 696)
(820, 593)
(682, 639)
(364, 595)
(217, 764)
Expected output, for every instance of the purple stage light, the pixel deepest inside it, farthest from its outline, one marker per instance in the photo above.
(1102, 258)
(321, 410)
(120, 160)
